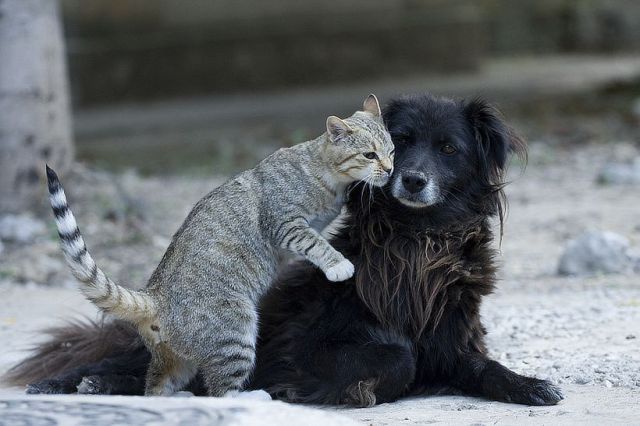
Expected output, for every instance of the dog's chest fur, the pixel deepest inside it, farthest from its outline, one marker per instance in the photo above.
(408, 278)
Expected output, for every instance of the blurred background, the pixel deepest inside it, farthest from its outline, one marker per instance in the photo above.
(143, 106)
(217, 84)
(201, 86)
(167, 86)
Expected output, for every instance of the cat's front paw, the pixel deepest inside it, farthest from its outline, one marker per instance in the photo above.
(341, 271)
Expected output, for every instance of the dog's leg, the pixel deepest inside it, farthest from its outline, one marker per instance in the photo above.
(119, 373)
(58, 385)
(482, 376)
(112, 385)
(377, 367)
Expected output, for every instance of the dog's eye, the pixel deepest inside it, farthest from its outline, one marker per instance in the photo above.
(370, 155)
(401, 137)
(448, 149)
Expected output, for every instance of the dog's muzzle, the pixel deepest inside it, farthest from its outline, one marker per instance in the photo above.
(415, 189)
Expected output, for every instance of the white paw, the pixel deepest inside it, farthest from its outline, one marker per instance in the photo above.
(256, 395)
(340, 271)
(183, 394)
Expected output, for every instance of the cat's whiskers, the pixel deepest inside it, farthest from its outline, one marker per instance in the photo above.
(368, 182)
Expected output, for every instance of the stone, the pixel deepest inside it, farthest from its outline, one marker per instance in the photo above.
(107, 410)
(39, 269)
(20, 228)
(582, 379)
(620, 173)
(596, 252)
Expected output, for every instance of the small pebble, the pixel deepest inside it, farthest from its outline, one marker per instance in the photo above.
(596, 252)
(620, 173)
(20, 228)
(582, 380)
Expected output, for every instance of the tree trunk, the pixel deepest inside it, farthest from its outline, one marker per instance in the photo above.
(34, 104)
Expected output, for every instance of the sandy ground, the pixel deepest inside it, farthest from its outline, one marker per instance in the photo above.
(582, 333)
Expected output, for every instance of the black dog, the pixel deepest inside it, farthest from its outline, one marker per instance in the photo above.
(407, 324)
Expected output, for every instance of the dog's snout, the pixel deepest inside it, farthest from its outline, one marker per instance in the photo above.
(413, 182)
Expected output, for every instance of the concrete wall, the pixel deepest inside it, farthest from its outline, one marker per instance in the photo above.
(559, 26)
(121, 50)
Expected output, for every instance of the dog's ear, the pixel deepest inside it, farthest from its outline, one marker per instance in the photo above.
(496, 140)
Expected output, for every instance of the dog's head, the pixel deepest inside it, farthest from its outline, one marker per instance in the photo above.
(450, 156)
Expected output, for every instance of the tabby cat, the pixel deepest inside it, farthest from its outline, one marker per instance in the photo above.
(198, 311)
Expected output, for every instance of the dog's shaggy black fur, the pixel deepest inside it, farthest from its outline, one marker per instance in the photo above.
(409, 322)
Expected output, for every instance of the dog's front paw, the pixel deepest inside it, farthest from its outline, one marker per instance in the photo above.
(535, 392)
(341, 271)
(92, 385)
(50, 387)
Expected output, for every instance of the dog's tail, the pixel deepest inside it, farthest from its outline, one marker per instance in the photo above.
(126, 304)
(74, 345)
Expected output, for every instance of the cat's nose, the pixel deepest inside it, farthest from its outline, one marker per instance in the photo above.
(413, 182)
(387, 165)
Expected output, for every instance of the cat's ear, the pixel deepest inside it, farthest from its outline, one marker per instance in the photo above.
(372, 106)
(337, 128)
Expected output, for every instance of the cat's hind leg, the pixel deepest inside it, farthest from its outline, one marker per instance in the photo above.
(217, 334)
(226, 377)
(168, 373)
(230, 362)
(227, 352)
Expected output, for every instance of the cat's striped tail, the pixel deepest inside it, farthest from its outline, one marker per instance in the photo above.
(126, 304)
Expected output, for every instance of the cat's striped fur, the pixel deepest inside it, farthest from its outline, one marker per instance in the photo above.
(103, 292)
(198, 311)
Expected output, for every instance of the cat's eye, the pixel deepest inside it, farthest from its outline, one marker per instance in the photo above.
(448, 149)
(370, 155)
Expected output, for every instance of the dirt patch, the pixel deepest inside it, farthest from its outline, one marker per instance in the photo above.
(581, 333)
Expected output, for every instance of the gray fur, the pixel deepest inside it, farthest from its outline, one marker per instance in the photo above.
(198, 311)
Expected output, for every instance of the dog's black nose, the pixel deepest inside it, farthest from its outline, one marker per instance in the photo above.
(413, 183)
